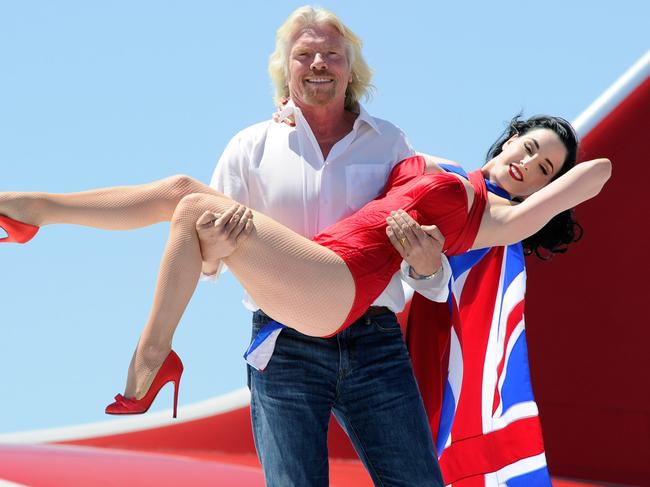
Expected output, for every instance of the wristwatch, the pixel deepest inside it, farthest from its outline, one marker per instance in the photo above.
(420, 277)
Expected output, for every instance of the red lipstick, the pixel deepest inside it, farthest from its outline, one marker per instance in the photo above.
(515, 173)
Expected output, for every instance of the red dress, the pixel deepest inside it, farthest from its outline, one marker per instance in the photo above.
(436, 198)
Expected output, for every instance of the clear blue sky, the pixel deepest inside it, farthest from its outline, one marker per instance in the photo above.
(109, 93)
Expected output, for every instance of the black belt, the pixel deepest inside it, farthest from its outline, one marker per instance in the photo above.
(377, 310)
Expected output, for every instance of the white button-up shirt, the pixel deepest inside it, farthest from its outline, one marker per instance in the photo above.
(280, 171)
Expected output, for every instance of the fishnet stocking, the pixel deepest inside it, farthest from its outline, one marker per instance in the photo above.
(117, 208)
(296, 281)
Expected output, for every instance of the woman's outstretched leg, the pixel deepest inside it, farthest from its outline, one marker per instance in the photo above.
(295, 280)
(116, 208)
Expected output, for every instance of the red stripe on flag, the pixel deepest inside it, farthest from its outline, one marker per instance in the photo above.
(490, 452)
(427, 335)
(477, 481)
(475, 311)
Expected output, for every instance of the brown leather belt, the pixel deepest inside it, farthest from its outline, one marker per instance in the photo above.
(377, 310)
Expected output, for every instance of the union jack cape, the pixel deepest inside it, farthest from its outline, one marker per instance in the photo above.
(471, 361)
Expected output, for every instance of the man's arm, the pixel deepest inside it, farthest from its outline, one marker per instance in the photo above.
(424, 268)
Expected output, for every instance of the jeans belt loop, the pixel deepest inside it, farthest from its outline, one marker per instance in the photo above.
(377, 310)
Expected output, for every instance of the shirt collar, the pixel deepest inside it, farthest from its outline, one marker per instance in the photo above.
(364, 117)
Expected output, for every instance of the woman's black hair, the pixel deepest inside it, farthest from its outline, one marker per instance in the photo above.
(562, 229)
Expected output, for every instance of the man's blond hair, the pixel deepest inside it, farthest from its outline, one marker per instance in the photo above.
(360, 72)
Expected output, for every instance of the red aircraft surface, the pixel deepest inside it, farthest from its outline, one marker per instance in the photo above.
(588, 355)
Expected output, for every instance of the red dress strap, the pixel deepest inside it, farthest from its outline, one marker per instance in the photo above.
(467, 236)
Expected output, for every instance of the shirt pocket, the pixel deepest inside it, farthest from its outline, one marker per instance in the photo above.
(364, 182)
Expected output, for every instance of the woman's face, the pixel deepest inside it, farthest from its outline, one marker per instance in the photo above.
(528, 162)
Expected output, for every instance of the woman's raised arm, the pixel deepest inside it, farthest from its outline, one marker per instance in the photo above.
(504, 225)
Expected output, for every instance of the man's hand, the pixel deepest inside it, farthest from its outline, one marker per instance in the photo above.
(220, 234)
(419, 245)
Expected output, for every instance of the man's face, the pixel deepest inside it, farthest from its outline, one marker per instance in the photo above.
(319, 71)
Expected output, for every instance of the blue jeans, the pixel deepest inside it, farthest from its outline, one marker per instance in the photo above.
(364, 376)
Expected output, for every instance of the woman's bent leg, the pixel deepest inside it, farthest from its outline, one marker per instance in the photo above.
(177, 278)
(294, 279)
(117, 208)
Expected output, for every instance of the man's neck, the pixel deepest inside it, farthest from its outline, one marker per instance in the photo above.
(329, 125)
(328, 122)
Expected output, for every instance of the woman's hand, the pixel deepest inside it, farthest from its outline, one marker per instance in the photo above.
(419, 245)
(220, 234)
(290, 120)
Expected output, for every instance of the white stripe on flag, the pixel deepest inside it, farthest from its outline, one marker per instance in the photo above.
(514, 413)
(521, 467)
(259, 357)
(492, 357)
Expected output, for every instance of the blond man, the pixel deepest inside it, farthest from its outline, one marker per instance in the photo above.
(308, 175)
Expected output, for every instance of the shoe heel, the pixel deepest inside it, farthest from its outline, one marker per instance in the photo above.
(177, 384)
(170, 371)
(17, 232)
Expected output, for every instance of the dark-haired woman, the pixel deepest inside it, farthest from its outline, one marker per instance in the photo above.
(329, 281)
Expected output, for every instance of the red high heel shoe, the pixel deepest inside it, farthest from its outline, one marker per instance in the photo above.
(170, 371)
(17, 232)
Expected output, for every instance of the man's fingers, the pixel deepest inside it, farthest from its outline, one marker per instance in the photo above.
(396, 229)
(232, 224)
(435, 233)
(408, 227)
(416, 232)
(224, 220)
(248, 229)
(241, 225)
(395, 241)
(226, 215)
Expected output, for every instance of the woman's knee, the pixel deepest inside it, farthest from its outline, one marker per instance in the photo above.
(195, 203)
(192, 206)
(198, 203)
(181, 185)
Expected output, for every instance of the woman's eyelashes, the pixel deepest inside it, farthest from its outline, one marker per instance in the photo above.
(529, 150)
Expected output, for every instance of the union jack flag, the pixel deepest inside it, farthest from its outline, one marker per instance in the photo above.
(471, 360)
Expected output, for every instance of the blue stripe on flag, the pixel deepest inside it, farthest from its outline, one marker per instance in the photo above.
(463, 262)
(514, 263)
(536, 478)
(447, 412)
(455, 169)
(516, 386)
(261, 348)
